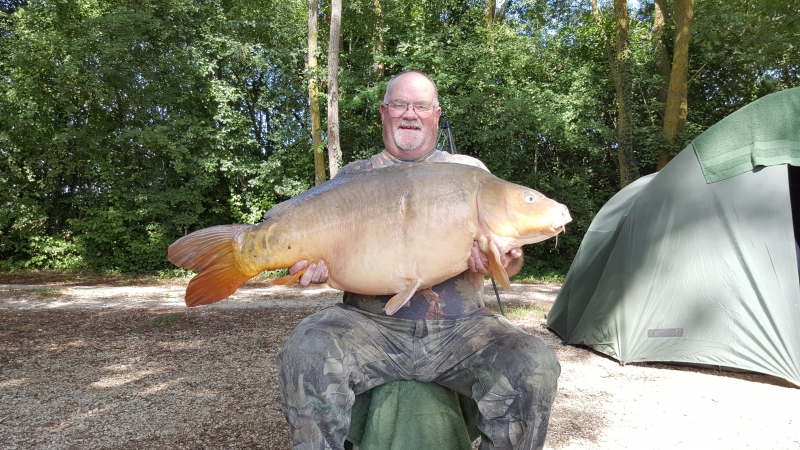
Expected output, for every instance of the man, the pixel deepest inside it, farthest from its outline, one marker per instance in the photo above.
(449, 338)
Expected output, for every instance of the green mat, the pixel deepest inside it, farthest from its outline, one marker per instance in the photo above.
(409, 415)
(763, 133)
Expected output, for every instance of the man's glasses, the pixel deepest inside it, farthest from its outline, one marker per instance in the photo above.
(398, 107)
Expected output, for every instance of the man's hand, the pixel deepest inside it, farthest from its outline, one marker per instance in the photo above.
(479, 262)
(316, 273)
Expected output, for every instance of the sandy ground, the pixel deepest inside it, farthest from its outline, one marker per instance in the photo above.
(132, 368)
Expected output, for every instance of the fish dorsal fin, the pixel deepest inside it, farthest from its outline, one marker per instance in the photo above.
(489, 248)
(402, 297)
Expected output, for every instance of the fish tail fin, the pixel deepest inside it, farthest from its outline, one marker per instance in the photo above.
(289, 280)
(212, 253)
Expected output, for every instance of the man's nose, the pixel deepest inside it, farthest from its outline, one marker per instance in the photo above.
(410, 112)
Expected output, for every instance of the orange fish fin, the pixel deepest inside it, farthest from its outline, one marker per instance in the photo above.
(211, 252)
(214, 284)
(289, 280)
(496, 266)
(402, 297)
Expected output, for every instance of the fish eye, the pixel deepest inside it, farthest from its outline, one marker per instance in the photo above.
(529, 198)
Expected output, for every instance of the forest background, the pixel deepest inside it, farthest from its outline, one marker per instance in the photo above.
(125, 124)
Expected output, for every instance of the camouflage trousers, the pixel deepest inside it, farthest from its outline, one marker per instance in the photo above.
(342, 351)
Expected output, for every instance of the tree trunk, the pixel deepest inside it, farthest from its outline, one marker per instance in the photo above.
(377, 46)
(628, 171)
(494, 14)
(606, 45)
(677, 107)
(619, 65)
(663, 65)
(334, 150)
(313, 94)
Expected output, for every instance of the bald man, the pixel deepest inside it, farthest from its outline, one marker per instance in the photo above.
(447, 336)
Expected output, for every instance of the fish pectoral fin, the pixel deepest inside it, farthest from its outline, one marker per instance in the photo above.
(289, 280)
(496, 266)
(402, 297)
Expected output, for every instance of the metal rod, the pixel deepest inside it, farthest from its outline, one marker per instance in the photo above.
(497, 294)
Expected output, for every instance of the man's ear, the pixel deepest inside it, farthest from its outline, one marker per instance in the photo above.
(438, 114)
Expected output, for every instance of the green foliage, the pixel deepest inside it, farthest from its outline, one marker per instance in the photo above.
(125, 124)
(128, 124)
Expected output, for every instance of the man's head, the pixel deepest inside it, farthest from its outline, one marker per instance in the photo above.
(410, 115)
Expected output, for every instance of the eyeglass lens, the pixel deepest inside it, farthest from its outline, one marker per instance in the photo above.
(398, 108)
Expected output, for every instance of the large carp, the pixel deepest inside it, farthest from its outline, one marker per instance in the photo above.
(392, 230)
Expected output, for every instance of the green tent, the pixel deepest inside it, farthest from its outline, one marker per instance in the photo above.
(698, 263)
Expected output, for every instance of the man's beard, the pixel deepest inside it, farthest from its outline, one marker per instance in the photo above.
(400, 132)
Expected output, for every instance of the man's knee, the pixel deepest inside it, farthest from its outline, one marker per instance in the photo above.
(535, 364)
(315, 338)
(520, 354)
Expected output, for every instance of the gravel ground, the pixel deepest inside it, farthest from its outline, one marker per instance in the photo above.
(132, 368)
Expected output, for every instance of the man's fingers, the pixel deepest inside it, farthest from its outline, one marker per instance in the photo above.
(305, 280)
(297, 266)
(321, 274)
(478, 262)
(317, 273)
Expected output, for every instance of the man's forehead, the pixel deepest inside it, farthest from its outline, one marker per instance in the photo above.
(411, 82)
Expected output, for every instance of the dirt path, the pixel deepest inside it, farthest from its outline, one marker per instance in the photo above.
(132, 368)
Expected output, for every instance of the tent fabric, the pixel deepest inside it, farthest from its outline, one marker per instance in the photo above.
(763, 133)
(674, 269)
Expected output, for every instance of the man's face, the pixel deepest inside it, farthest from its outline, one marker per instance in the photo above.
(410, 136)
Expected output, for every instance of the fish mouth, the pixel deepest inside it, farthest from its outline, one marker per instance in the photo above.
(560, 225)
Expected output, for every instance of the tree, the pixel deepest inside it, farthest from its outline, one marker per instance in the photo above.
(378, 42)
(334, 149)
(619, 63)
(676, 108)
(628, 169)
(741, 50)
(493, 13)
(663, 65)
(11, 6)
(127, 123)
(313, 94)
